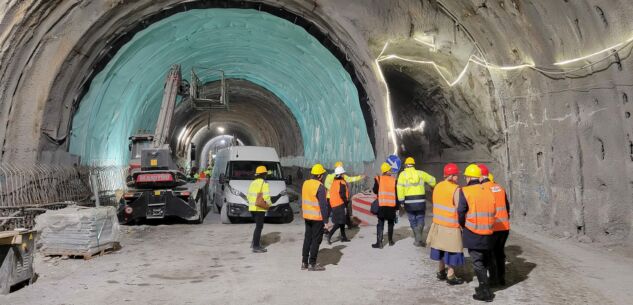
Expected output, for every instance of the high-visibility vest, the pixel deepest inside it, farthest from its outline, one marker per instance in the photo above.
(309, 201)
(258, 185)
(411, 186)
(481, 209)
(386, 191)
(335, 193)
(329, 179)
(444, 209)
(502, 219)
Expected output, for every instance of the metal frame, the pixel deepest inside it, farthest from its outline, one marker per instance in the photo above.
(205, 103)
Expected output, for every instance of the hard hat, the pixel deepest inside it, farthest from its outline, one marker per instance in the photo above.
(339, 170)
(261, 170)
(338, 164)
(318, 169)
(491, 177)
(451, 169)
(484, 169)
(385, 167)
(409, 161)
(473, 171)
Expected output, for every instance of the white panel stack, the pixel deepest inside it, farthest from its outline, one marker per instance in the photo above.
(77, 230)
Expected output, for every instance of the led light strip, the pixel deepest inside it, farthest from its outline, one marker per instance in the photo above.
(479, 61)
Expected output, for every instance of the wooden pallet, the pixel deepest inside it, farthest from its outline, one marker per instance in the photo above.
(97, 251)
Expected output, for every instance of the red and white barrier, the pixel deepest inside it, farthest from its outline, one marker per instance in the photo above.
(361, 205)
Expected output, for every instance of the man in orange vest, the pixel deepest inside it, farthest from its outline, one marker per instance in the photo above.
(316, 214)
(385, 189)
(476, 211)
(339, 201)
(501, 228)
(445, 236)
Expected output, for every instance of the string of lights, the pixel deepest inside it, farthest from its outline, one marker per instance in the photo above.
(612, 50)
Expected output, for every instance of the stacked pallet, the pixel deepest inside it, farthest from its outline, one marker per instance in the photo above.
(78, 231)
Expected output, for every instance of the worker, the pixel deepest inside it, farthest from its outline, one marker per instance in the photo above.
(500, 228)
(349, 179)
(385, 189)
(445, 236)
(316, 215)
(208, 170)
(410, 189)
(259, 185)
(476, 210)
(339, 199)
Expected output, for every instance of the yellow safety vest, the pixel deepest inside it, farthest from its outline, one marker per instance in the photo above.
(309, 201)
(411, 184)
(257, 186)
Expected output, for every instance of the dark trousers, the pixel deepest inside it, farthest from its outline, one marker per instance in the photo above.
(498, 261)
(480, 259)
(348, 214)
(336, 227)
(381, 228)
(312, 240)
(259, 225)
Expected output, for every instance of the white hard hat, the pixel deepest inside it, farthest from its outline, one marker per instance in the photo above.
(339, 171)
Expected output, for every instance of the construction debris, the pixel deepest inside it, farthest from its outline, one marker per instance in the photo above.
(78, 231)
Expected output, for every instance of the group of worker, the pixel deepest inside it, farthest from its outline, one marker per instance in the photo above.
(475, 216)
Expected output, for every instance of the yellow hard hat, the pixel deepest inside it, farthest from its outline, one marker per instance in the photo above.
(261, 170)
(338, 164)
(318, 169)
(385, 167)
(473, 171)
(409, 161)
(491, 177)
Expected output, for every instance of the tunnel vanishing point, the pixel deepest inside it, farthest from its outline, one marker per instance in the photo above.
(539, 90)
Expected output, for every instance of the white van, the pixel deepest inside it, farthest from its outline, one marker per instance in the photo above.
(232, 175)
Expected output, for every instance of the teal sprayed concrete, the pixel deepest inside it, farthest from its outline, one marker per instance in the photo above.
(246, 44)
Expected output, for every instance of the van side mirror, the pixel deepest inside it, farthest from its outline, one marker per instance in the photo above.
(222, 179)
(289, 180)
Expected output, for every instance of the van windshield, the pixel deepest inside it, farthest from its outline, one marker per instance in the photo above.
(245, 170)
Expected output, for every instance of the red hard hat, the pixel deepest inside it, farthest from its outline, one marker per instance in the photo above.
(451, 169)
(484, 169)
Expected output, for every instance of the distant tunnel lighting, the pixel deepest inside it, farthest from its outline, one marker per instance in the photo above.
(223, 142)
(213, 156)
(221, 129)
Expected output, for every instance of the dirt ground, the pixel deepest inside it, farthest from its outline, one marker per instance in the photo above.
(212, 264)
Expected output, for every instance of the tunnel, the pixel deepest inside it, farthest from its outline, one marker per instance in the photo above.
(537, 90)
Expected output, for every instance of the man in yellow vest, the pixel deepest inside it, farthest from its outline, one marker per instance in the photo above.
(329, 179)
(445, 236)
(385, 189)
(259, 185)
(501, 227)
(410, 189)
(476, 211)
(316, 214)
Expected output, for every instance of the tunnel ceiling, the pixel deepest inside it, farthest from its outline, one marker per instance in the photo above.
(246, 44)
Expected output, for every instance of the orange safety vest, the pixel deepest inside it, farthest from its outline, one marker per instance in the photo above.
(481, 209)
(502, 219)
(335, 192)
(386, 191)
(309, 200)
(444, 210)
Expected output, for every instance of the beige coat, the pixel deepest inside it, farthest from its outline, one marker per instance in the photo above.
(445, 238)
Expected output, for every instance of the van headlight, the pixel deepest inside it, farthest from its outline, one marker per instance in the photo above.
(237, 192)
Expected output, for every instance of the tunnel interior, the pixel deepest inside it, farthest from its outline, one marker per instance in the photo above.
(538, 90)
(249, 46)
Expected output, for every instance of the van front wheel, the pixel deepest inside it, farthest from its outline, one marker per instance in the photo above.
(224, 214)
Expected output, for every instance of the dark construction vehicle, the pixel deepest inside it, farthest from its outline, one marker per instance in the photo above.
(157, 187)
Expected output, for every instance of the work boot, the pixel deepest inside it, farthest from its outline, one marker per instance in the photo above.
(416, 239)
(316, 267)
(441, 275)
(454, 281)
(259, 250)
(391, 243)
(304, 266)
(378, 244)
(483, 293)
(345, 239)
(420, 233)
(329, 239)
